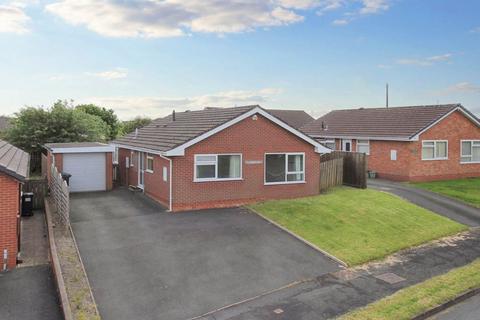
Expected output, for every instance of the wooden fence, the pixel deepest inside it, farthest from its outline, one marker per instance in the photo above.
(60, 195)
(331, 174)
(39, 187)
(354, 167)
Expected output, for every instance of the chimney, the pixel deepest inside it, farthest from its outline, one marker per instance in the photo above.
(173, 115)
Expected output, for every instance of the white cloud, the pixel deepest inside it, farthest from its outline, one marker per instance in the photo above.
(340, 22)
(374, 6)
(425, 62)
(13, 20)
(463, 87)
(156, 106)
(118, 73)
(475, 30)
(171, 18)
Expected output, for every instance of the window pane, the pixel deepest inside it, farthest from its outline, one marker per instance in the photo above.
(476, 153)
(295, 177)
(275, 168)
(229, 166)
(295, 163)
(330, 145)
(150, 164)
(205, 159)
(428, 144)
(205, 171)
(362, 141)
(427, 153)
(363, 148)
(441, 150)
(466, 159)
(466, 148)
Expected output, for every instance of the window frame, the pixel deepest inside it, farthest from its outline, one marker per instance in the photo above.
(195, 179)
(286, 168)
(363, 144)
(471, 151)
(435, 158)
(149, 156)
(324, 142)
(165, 174)
(115, 156)
(132, 156)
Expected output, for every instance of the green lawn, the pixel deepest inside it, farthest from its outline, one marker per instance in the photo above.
(467, 190)
(358, 225)
(422, 297)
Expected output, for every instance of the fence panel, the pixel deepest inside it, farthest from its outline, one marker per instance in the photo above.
(354, 167)
(331, 174)
(39, 187)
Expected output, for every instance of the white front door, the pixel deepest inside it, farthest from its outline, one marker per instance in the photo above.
(346, 145)
(141, 169)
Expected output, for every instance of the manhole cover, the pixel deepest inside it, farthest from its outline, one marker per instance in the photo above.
(278, 311)
(391, 278)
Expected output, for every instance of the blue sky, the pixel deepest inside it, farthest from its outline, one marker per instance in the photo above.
(149, 57)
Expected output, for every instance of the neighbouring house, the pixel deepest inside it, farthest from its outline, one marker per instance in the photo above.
(417, 143)
(14, 171)
(90, 164)
(220, 157)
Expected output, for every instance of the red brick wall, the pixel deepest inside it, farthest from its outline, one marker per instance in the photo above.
(9, 209)
(379, 159)
(253, 139)
(154, 186)
(453, 128)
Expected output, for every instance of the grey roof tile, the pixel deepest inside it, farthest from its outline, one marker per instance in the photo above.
(13, 161)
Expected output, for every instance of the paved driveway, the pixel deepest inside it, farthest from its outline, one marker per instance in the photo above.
(144, 263)
(435, 202)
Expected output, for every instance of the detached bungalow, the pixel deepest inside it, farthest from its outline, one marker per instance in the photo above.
(418, 143)
(220, 157)
(14, 164)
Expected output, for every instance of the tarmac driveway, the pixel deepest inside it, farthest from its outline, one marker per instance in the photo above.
(144, 263)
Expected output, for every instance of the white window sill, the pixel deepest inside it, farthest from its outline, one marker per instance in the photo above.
(469, 162)
(437, 159)
(284, 182)
(149, 171)
(217, 180)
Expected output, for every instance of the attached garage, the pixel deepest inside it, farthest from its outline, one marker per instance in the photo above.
(89, 164)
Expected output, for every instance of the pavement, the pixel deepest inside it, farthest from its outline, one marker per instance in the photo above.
(331, 295)
(466, 310)
(145, 263)
(437, 203)
(28, 292)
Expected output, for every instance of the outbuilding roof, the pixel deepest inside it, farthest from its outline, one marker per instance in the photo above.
(78, 147)
(14, 161)
(171, 134)
(395, 123)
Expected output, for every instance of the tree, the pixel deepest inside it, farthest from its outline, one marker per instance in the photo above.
(33, 127)
(138, 122)
(107, 115)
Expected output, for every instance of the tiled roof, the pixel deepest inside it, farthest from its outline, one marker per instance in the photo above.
(395, 122)
(164, 134)
(64, 145)
(13, 161)
(294, 118)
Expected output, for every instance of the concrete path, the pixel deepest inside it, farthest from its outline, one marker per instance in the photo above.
(435, 202)
(466, 310)
(144, 263)
(28, 292)
(334, 294)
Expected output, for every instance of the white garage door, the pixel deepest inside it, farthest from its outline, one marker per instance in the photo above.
(87, 170)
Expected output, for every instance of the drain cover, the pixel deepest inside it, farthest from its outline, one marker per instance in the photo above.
(391, 278)
(278, 311)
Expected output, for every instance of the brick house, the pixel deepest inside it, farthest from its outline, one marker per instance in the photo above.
(14, 164)
(418, 143)
(220, 157)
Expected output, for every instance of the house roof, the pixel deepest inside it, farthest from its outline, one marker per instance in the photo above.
(78, 147)
(295, 118)
(396, 123)
(170, 137)
(13, 161)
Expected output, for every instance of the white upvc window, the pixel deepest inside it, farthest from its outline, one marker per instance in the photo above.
(363, 146)
(434, 150)
(115, 156)
(284, 168)
(165, 174)
(470, 151)
(132, 159)
(149, 163)
(329, 143)
(217, 167)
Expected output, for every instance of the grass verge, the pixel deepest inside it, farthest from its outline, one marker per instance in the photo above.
(466, 190)
(358, 225)
(414, 300)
